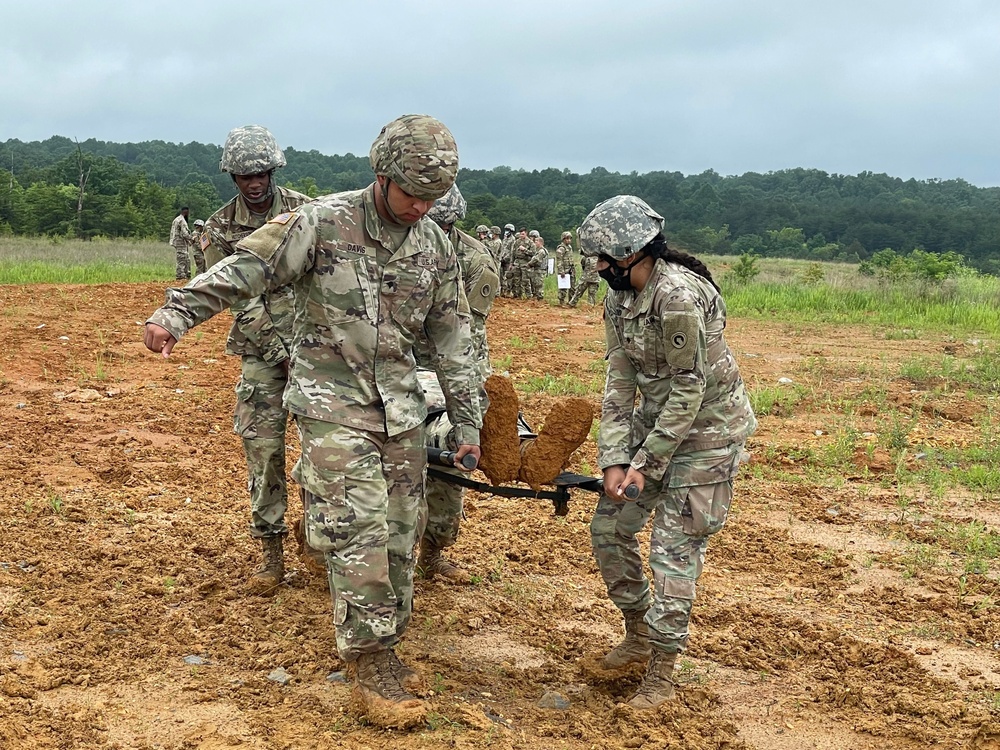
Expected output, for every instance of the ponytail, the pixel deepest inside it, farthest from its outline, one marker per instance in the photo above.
(657, 248)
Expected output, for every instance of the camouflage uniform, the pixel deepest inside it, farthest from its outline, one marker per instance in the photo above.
(180, 238)
(566, 266)
(506, 259)
(522, 250)
(480, 281)
(196, 253)
(686, 437)
(538, 266)
(261, 336)
(494, 244)
(590, 282)
(361, 300)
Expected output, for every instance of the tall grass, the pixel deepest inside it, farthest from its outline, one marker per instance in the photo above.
(964, 305)
(43, 260)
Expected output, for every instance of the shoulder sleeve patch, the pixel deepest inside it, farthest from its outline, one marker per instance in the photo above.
(282, 218)
(265, 242)
(680, 331)
(205, 241)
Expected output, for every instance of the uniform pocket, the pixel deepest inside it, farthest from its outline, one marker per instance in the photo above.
(340, 292)
(244, 413)
(706, 508)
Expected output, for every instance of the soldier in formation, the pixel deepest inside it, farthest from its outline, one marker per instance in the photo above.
(590, 281)
(507, 260)
(521, 252)
(180, 238)
(480, 280)
(261, 336)
(537, 267)
(195, 245)
(680, 446)
(371, 275)
(565, 266)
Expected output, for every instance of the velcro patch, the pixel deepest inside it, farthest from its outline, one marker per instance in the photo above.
(282, 218)
(681, 333)
(205, 241)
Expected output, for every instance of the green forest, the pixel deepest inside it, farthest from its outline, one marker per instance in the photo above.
(60, 187)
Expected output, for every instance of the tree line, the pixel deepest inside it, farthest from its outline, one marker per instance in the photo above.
(99, 188)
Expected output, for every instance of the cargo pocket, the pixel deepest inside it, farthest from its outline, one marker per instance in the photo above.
(706, 507)
(244, 413)
(325, 517)
(339, 610)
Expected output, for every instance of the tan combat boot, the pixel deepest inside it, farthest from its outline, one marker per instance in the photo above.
(634, 649)
(657, 686)
(378, 696)
(266, 579)
(409, 678)
(431, 563)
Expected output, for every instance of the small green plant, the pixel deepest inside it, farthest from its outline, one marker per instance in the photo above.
(169, 584)
(503, 363)
(745, 269)
(813, 274)
(56, 503)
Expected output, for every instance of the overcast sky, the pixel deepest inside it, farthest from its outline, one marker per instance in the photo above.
(906, 87)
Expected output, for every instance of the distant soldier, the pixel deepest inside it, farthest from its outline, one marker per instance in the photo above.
(480, 279)
(566, 265)
(506, 259)
(522, 250)
(589, 281)
(195, 245)
(537, 267)
(180, 237)
(261, 336)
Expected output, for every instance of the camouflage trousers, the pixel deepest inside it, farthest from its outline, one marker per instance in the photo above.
(443, 509)
(363, 492)
(260, 419)
(182, 268)
(505, 278)
(520, 280)
(590, 287)
(689, 505)
(566, 294)
(536, 283)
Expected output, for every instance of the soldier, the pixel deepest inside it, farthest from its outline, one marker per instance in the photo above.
(565, 265)
(371, 275)
(680, 446)
(537, 268)
(522, 250)
(261, 336)
(480, 280)
(180, 237)
(506, 260)
(590, 282)
(195, 245)
(495, 244)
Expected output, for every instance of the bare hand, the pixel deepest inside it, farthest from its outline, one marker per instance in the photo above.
(617, 480)
(158, 339)
(465, 450)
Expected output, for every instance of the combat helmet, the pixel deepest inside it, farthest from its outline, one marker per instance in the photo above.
(534, 233)
(495, 230)
(449, 208)
(199, 222)
(482, 229)
(619, 227)
(567, 234)
(250, 149)
(419, 154)
(509, 226)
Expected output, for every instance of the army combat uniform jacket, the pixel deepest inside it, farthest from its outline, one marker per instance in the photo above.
(667, 343)
(360, 306)
(262, 326)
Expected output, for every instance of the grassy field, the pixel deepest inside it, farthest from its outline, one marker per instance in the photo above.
(792, 290)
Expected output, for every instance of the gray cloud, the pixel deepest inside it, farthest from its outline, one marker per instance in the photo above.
(907, 87)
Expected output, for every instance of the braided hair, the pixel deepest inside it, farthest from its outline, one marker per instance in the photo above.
(657, 248)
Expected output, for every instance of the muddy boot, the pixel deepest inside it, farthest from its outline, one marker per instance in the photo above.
(409, 679)
(657, 686)
(313, 559)
(634, 649)
(432, 563)
(266, 579)
(498, 440)
(566, 427)
(378, 696)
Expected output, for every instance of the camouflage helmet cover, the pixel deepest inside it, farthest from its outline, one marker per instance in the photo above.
(418, 153)
(509, 226)
(199, 222)
(567, 235)
(619, 227)
(534, 233)
(449, 208)
(495, 229)
(250, 149)
(482, 229)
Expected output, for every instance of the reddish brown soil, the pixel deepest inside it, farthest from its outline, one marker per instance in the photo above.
(124, 549)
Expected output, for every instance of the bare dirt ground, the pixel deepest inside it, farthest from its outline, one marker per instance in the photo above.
(124, 549)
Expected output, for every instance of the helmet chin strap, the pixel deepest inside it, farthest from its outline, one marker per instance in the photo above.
(264, 198)
(388, 209)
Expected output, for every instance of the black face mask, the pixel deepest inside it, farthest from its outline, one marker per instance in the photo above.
(618, 278)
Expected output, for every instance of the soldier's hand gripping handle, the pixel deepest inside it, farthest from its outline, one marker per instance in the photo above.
(448, 458)
(632, 491)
